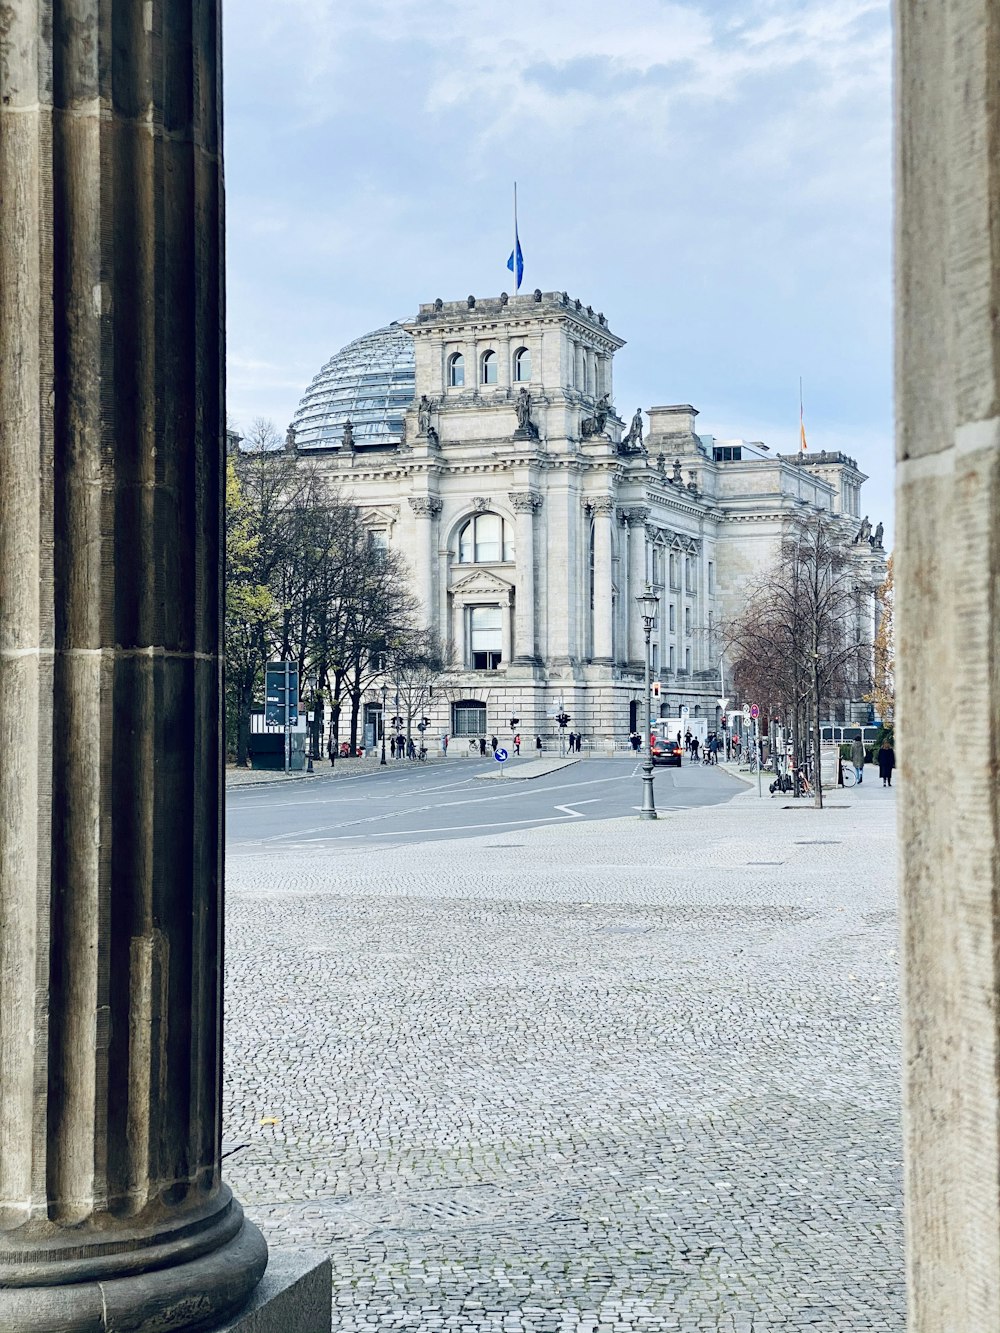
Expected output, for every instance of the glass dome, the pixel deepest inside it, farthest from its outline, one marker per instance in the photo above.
(370, 382)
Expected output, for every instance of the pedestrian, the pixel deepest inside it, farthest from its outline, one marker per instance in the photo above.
(858, 758)
(635, 740)
(444, 743)
(517, 744)
(687, 740)
(482, 746)
(694, 748)
(886, 762)
(411, 749)
(579, 742)
(494, 743)
(538, 745)
(392, 747)
(572, 741)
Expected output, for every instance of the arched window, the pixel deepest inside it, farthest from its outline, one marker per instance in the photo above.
(456, 370)
(485, 540)
(488, 364)
(522, 364)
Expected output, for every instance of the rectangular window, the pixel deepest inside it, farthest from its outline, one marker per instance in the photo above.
(672, 658)
(673, 572)
(654, 658)
(485, 637)
(711, 577)
(687, 659)
(728, 453)
(687, 620)
(468, 719)
(673, 618)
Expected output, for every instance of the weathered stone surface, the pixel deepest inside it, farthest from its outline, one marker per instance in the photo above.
(112, 1210)
(292, 1297)
(948, 625)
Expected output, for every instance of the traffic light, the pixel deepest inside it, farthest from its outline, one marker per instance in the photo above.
(425, 721)
(397, 722)
(563, 719)
(656, 689)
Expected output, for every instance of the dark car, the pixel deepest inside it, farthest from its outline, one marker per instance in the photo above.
(666, 752)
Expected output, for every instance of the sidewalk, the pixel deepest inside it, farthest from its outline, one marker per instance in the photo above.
(618, 1074)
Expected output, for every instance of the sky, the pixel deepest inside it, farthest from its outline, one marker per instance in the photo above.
(714, 175)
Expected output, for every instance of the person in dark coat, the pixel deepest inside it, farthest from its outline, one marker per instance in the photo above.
(886, 763)
(538, 744)
(482, 745)
(392, 747)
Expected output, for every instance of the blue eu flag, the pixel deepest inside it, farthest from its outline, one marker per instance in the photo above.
(516, 263)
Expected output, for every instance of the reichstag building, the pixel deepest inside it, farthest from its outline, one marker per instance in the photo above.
(481, 440)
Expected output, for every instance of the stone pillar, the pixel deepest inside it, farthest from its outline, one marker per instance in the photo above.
(636, 517)
(525, 505)
(426, 508)
(603, 510)
(948, 627)
(113, 1214)
(506, 632)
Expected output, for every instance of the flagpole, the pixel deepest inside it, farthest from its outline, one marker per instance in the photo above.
(517, 280)
(802, 429)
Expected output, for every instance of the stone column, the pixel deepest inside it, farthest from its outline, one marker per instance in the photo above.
(506, 632)
(948, 627)
(426, 508)
(525, 505)
(113, 1214)
(603, 510)
(636, 517)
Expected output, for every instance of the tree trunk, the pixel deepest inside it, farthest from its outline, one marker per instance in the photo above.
(355, 710)
(818, 767)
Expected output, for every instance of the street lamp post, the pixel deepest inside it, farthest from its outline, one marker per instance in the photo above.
(385, 691)
(648, 602)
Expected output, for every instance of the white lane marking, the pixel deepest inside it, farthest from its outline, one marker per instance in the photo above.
(576, 814)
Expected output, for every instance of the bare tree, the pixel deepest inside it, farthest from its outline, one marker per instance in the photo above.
(799, 639)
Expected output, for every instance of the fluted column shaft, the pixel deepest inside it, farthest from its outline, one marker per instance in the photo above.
(112, 1210)
(525, 505)
(637, 585)
(426, 509)
(603, 511)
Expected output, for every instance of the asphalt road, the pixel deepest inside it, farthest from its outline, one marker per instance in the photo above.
(412, 805)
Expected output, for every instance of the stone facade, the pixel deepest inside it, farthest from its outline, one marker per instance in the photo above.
(532, 518)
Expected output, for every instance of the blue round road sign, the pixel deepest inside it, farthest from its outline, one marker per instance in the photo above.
(500, 755)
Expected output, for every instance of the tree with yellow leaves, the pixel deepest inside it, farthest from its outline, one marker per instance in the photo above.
(883, 694)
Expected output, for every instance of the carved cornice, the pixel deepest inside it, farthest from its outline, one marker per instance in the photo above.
(525, 502)
(425, 506)
(635, 515)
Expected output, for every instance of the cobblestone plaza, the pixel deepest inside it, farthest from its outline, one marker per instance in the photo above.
(602, 1076)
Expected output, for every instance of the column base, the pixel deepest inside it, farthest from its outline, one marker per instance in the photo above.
(294, 1296)
(140, 1289)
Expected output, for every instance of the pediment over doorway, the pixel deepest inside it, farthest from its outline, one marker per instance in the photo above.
(482, 583)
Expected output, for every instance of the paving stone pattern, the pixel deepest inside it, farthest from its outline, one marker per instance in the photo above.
(593, 1077)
